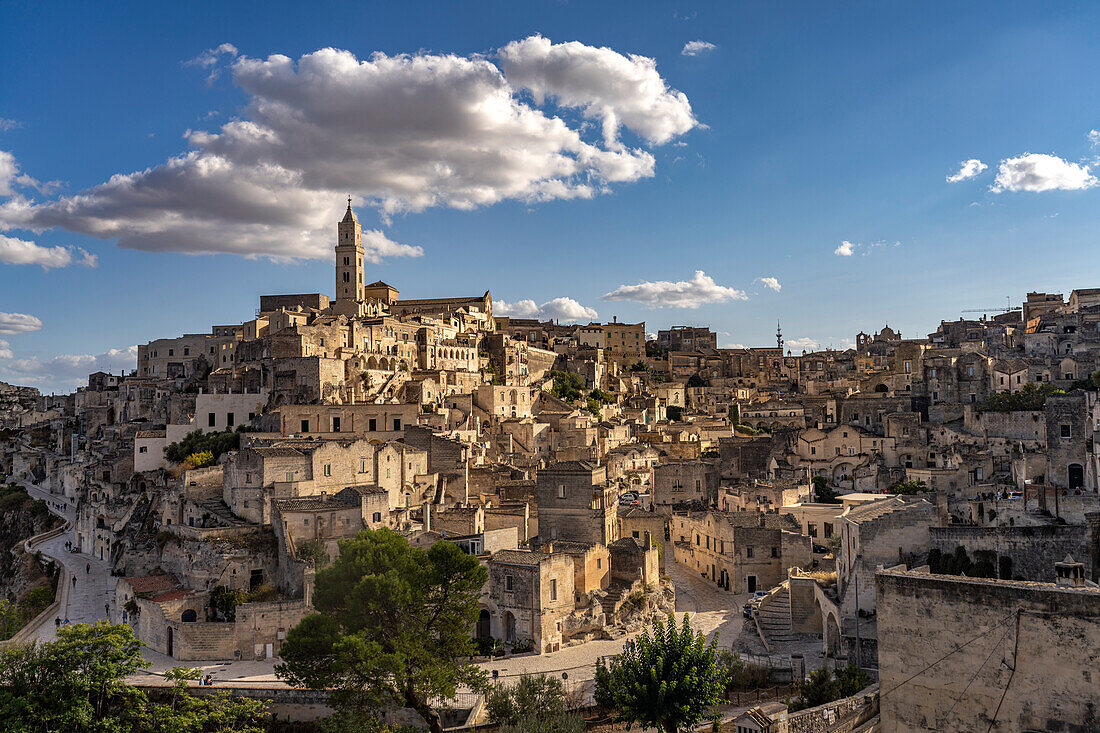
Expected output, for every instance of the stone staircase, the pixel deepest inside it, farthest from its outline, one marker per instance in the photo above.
(616, 594)
(774, 616)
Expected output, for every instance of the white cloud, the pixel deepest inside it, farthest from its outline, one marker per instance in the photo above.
(18, 323)
(67, 371)
(6, 124)
(402, 133)
(378, 245)
(772, 283)
(694, 48)
(848, 249)
(9, 169)
(682, 294)
(5, 350)
(1038, 172)
(1094, 137)
(801, 344)
(733, 346)
(561, 309)
(968, 169)
(21, 252)
(211, 56)
(605, 84)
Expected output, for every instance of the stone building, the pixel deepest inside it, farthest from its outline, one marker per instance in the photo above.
(575, 503)
(972, 654)
(887, 532)
(680, 482)
(741, 552)
(528, 596)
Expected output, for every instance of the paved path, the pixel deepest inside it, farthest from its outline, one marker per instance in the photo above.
(86, 600)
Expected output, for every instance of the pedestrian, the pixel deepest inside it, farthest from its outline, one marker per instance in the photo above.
(88, 568)
(57, 622)
(107, 610)
(74, 581)
(66, 622)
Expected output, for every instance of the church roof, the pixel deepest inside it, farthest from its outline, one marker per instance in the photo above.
(349, 215)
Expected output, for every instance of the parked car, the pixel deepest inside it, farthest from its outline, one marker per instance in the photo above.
(758, 595)
(821, 549)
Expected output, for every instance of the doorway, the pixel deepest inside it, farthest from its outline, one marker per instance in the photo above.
(752, 583)
(1076, 476)
(483, 627)
(170, 641)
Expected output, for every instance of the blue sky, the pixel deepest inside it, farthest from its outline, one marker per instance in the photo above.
(805, 126)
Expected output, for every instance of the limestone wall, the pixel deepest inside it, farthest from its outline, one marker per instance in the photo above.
(1032, 550)
(1046, 656)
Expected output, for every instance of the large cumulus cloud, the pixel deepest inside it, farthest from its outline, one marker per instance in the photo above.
(401, 133)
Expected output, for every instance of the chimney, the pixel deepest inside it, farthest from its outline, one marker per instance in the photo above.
(1070, 574)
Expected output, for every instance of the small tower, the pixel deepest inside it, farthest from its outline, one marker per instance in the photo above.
(779, 336)
(349, 265)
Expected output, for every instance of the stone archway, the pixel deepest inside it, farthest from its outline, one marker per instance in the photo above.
(484, 624)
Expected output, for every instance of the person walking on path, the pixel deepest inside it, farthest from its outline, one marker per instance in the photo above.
(74, 581)
(88, 568)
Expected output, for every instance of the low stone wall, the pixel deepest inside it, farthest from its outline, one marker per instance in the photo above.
(285, 703)
(838, 716)
(1032, 550)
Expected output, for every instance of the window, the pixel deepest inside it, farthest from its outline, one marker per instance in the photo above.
(697, 540)
(335, 424)
(508, 583)
(143, 449)
(171, 352)
(328, 469)
(230, 419)
(1065, 431)
(970, 371)
(305, 521)
(634, 533)
(908, 367)
(561, 491)
(775, 552)
(211, 420)
(372, 425)
(812, 529)
(599, 562)
(248, 478)
(553, 589)
(186, 351)
(813, 450)
(828, 530)
(748, 552)
(289, 475)
(932, 373)
(362, 465)
(397, 423)
(305, 426)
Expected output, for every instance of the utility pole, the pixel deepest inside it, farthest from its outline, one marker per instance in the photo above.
(859, 649)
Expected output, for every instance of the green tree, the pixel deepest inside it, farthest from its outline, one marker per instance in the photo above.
(392, 626)
(566, 386)
(851, 679)
(535, 697)
(639, 366)
(77, 684)
(674, 412)
(825, 494)
(199, 442)
(735, 414)
(908, 487)
(668, 679)
(818, 688)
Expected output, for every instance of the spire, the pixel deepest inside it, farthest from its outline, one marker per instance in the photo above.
(349, 216)
(779, 335)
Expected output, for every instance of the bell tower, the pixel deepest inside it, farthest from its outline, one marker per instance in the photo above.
(349, 264)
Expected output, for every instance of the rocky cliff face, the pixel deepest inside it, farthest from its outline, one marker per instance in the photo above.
(26, 580)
